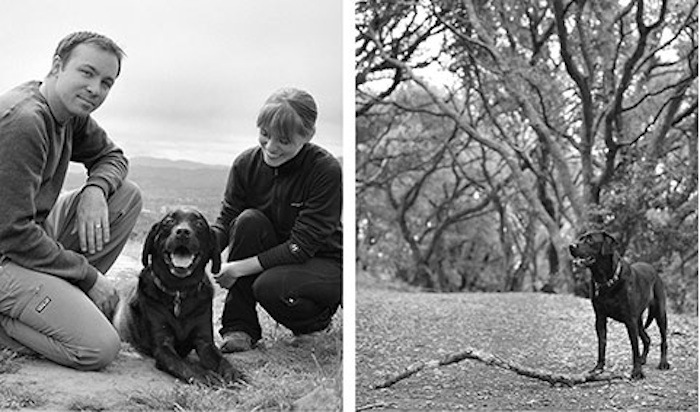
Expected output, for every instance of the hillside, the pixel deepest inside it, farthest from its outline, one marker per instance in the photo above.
(166, 183)
(163, 174)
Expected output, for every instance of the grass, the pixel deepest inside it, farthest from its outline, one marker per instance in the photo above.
(279, 372)
(15, 397)
(9, 361)
(279, 375)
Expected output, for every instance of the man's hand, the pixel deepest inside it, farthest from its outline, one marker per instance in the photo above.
(105, 295)
(93, 220)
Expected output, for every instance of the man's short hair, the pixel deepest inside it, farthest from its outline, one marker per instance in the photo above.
(68, 43)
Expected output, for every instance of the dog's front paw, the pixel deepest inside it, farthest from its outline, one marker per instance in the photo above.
(231, 374)
(664, 365)
(637, 374)
(208, 378)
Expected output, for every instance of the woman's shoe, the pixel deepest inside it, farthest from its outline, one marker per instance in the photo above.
(237, 342)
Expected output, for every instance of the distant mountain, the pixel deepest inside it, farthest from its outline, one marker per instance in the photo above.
(164, 174)
(166, 183)
(167, 163)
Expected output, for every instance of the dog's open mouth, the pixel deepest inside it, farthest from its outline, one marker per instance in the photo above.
(181, 261)
(584, 261)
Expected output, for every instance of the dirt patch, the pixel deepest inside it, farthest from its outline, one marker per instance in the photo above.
(553, 332)
(55, 387)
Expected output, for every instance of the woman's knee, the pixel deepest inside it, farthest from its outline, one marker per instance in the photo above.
(250, 234)
(299, 313)
(266, 290)
(251, 219)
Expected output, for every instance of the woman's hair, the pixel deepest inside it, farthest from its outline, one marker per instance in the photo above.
(288, 112)
(68, 43)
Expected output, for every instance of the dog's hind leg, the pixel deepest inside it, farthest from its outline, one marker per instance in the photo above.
(661, 322)
(663, 362)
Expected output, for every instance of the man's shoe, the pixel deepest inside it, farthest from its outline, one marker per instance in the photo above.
(237, 342)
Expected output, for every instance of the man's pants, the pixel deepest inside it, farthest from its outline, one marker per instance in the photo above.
(302, 297)
(53, 317)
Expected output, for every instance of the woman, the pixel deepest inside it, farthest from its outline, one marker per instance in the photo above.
(280, 218)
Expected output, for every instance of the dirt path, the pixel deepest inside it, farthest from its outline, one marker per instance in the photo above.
(552, 332)
(43, 384)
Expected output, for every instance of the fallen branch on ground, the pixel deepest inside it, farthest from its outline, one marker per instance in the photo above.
(493, 360)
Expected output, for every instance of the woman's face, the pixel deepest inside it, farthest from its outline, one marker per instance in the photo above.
(278, 150)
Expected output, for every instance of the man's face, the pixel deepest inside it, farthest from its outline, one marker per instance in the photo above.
(83, 81)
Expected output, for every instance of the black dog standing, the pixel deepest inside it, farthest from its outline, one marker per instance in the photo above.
(622, 291)
(169, 313)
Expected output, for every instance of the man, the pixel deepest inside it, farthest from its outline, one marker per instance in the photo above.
(54, 250)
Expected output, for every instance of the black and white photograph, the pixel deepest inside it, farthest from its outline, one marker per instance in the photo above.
(171, 188)
(349, 205)
(526, 205)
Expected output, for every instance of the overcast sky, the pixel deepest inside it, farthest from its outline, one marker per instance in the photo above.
(196, 72)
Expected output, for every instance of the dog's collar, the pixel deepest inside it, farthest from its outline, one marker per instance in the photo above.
(177, 295)
(610, 282)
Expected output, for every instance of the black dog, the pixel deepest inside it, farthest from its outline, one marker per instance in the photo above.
(169, 312)
(622, 291)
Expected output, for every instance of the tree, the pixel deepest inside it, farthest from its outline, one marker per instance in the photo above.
(572, 97)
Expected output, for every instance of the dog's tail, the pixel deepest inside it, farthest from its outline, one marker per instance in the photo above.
(651, 316)
(657, 300)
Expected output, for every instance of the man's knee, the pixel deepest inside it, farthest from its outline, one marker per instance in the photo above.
(125, 206)
(127, 199)
(100, 350)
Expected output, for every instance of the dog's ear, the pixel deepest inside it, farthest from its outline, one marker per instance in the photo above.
(215, 252)
(609, 244)
(149, 243)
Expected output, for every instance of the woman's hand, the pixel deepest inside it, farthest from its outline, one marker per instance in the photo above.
(228, 275)
(231, 271)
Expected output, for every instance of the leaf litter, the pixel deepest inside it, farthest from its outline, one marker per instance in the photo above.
(396, 329)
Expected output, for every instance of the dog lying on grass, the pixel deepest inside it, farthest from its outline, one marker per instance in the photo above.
(169, 312)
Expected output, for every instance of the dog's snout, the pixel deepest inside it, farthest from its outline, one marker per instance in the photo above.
(183, 232)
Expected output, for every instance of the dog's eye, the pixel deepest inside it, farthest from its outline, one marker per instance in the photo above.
(168, 221)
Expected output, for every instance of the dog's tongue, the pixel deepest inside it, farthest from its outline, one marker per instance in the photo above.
(182, 261)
